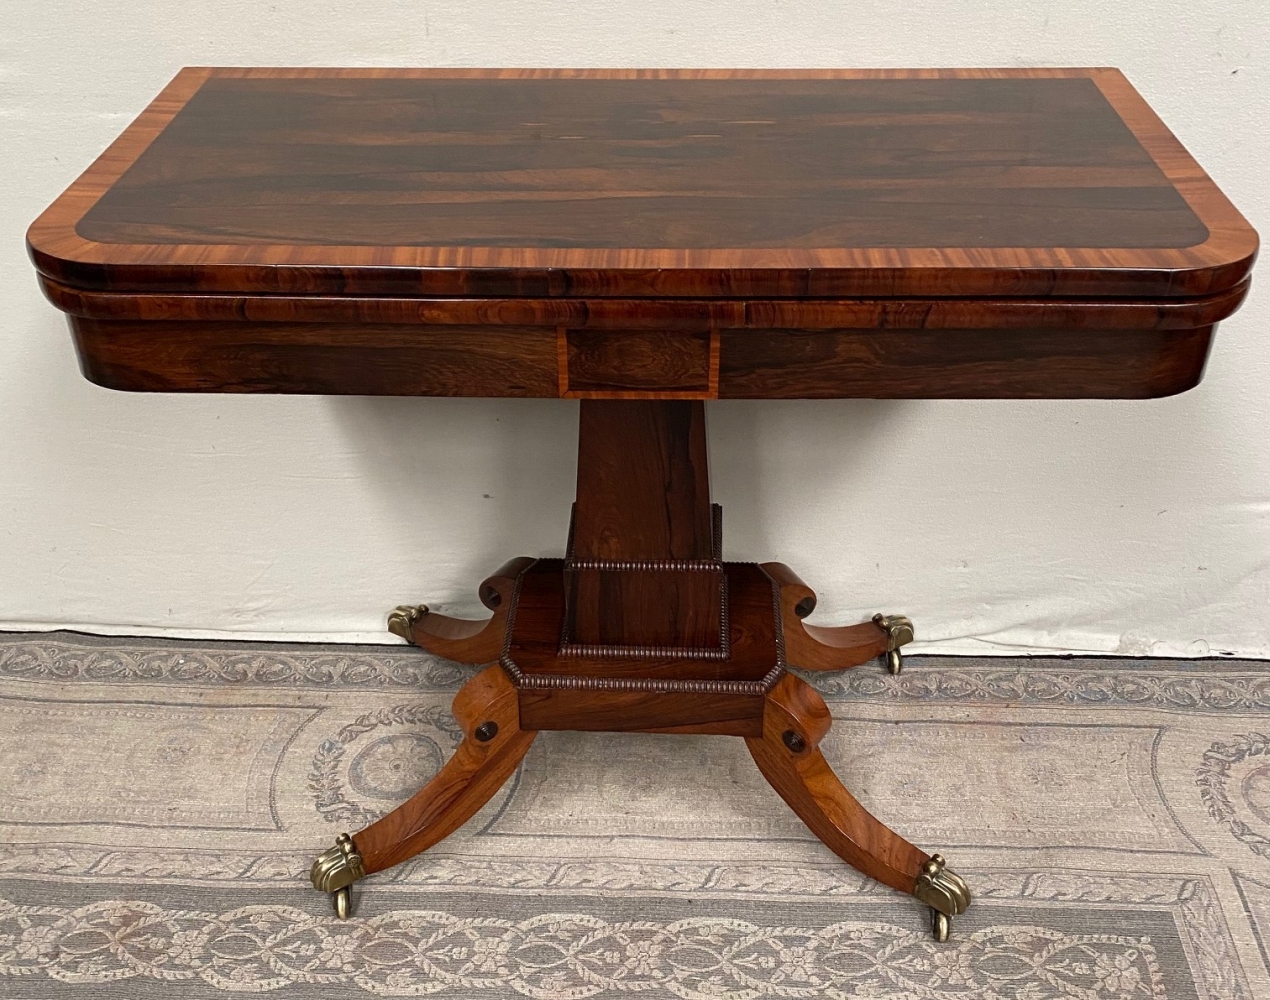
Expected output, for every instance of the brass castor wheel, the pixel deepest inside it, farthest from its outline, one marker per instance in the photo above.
(335, 870)
(944, 891)
(401, 620)
(899, 632)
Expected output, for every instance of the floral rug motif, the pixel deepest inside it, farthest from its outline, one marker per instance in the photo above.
(163, 801)
(414, 952)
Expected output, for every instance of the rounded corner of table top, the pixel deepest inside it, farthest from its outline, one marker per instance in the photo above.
(59, 252)
(1226, 258)
(54, 241)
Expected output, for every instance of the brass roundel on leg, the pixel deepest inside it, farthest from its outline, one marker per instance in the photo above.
(940, 925)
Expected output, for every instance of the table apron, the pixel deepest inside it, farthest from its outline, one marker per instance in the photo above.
(701, 363)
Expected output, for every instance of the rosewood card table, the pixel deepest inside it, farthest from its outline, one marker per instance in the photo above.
(644, 241)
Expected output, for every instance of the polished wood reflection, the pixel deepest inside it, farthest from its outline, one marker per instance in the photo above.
(665, 182)
(613, 163)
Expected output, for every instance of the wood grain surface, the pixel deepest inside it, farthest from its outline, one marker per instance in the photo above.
(473, 642)
(442, 360)
(536, 632)
(478, 769)
(643, 528)
(804, 779)
(699, 183)
(819, 647)
(643, 348)
(617, 691)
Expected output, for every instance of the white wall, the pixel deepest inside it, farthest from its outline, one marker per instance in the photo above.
(1109, 526)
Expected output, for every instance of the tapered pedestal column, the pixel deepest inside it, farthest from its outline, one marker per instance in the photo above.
(642, 566)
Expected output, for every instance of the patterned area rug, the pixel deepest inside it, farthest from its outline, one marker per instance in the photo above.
(162, 802)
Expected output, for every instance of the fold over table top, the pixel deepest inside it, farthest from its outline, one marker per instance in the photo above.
(650, 183)
(673, 234)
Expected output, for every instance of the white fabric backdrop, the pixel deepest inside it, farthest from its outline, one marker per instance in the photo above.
(1136, 528)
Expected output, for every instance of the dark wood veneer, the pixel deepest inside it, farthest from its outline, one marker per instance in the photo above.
(664, 363)
(511, 361)
(697, 183)
(658, 314)
(599, 348)
(648, 164)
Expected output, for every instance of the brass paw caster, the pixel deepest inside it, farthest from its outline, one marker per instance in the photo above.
(335, 870)
(401, 619)
(899, 632)
(945, 892)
